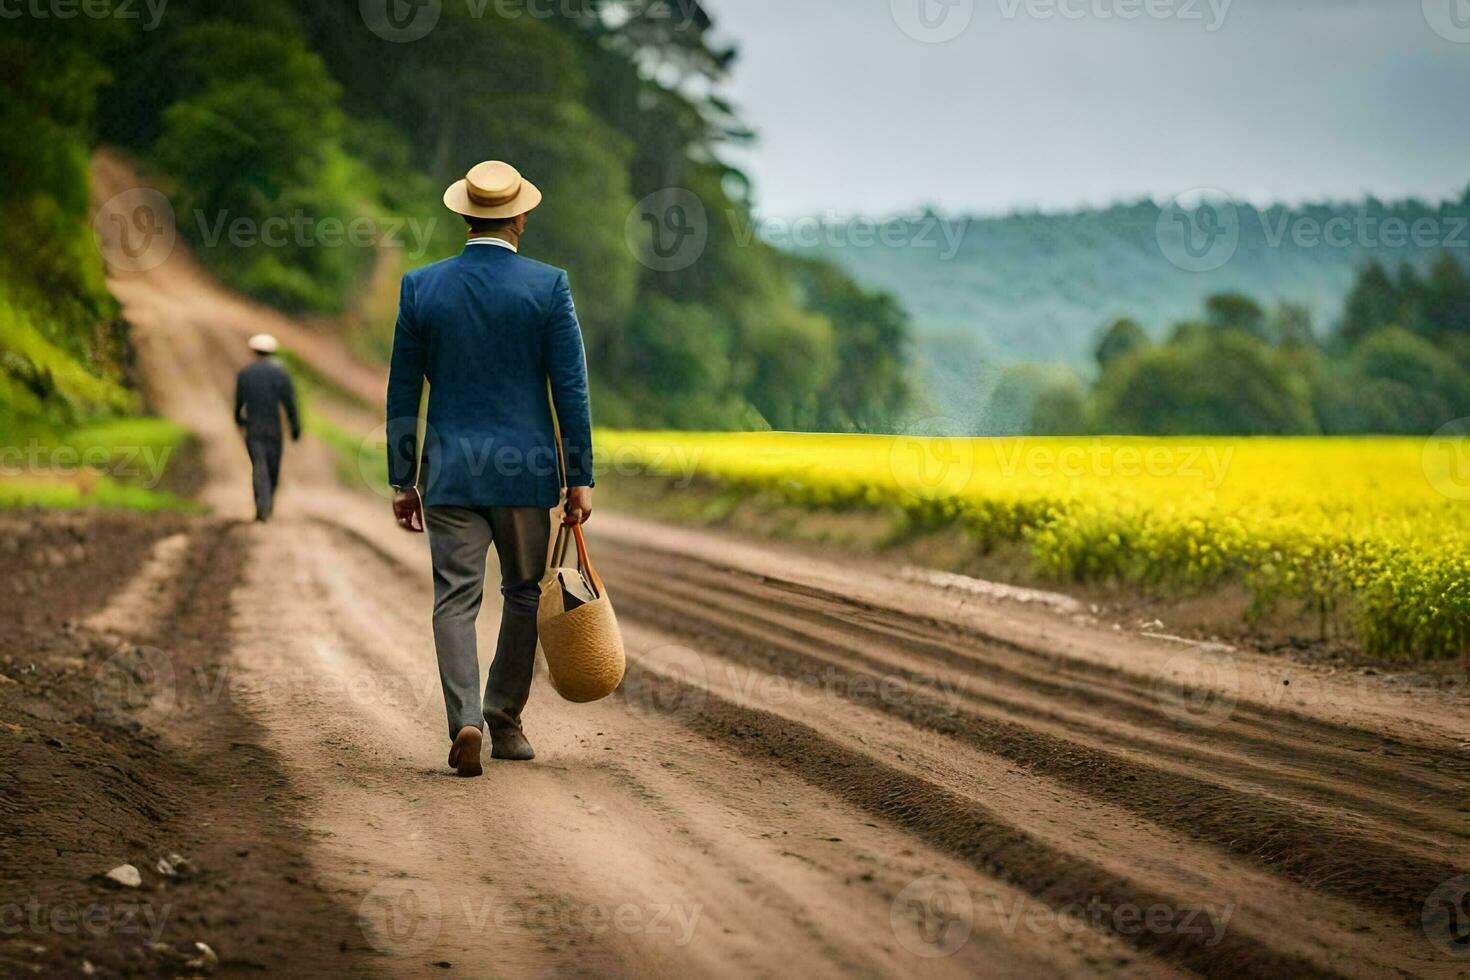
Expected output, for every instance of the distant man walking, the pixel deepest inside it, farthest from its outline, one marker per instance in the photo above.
(491, 331)
(262, 390)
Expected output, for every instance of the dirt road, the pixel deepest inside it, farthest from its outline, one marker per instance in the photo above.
(817, 767)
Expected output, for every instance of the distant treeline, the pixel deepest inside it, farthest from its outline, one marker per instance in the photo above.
(1397, 363)
(987, 292)
(271, 111)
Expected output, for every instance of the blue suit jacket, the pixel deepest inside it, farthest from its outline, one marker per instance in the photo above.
(488, 328)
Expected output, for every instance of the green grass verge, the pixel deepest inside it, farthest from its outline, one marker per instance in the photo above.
(105, 494)
(118, 463)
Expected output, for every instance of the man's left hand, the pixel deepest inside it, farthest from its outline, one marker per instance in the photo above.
(579, 505)
(408, 510)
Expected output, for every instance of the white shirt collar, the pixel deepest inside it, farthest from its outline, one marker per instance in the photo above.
(487, 240)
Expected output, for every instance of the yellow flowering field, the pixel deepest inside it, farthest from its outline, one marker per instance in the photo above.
(1374, 530)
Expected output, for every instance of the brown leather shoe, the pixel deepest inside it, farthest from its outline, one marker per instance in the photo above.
(464, 757)
(511, 746)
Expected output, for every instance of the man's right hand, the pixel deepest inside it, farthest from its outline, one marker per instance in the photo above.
(408, 510)
(579, 505)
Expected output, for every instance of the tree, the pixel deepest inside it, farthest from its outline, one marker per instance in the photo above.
(1447, 298)
(1033, 399)
(1291, 325)
(1123, 337)
(1373, 303)
(1061, 408)
(871, 333)
(1394, 382)
(1226, 383)
(677, 374)
(1236, 311)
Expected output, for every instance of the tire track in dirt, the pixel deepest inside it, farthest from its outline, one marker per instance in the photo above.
(155, 763)
(963, 827)
(1056, 675)
(1132, 727)
(1296, 921)
(1308, 848)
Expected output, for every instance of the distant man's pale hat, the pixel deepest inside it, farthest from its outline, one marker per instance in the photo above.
(492, 190)
(263, 343)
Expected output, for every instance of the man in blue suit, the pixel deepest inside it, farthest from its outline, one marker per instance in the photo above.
(492, 332)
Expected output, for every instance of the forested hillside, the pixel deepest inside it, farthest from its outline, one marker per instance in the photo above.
(989, 292)
(63, 351)
(1397, 362)
(300, 112)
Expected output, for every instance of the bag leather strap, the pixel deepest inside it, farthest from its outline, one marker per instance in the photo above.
(564, 536)
(586, 562)
(558, 554)
(561, 452)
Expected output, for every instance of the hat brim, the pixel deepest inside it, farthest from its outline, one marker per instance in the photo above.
(457, 199)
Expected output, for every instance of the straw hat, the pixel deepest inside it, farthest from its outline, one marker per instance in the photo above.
(263, 343)
(492, 190)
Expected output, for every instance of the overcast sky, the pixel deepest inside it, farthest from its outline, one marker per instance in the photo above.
(1284, 100)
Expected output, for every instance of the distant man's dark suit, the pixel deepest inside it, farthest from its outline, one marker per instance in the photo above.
(261, 391)
(488, 329)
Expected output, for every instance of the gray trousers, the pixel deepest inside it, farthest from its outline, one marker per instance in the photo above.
(265, 471)
(459, 541)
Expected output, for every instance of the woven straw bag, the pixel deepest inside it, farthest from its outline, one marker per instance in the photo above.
(579, 632)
